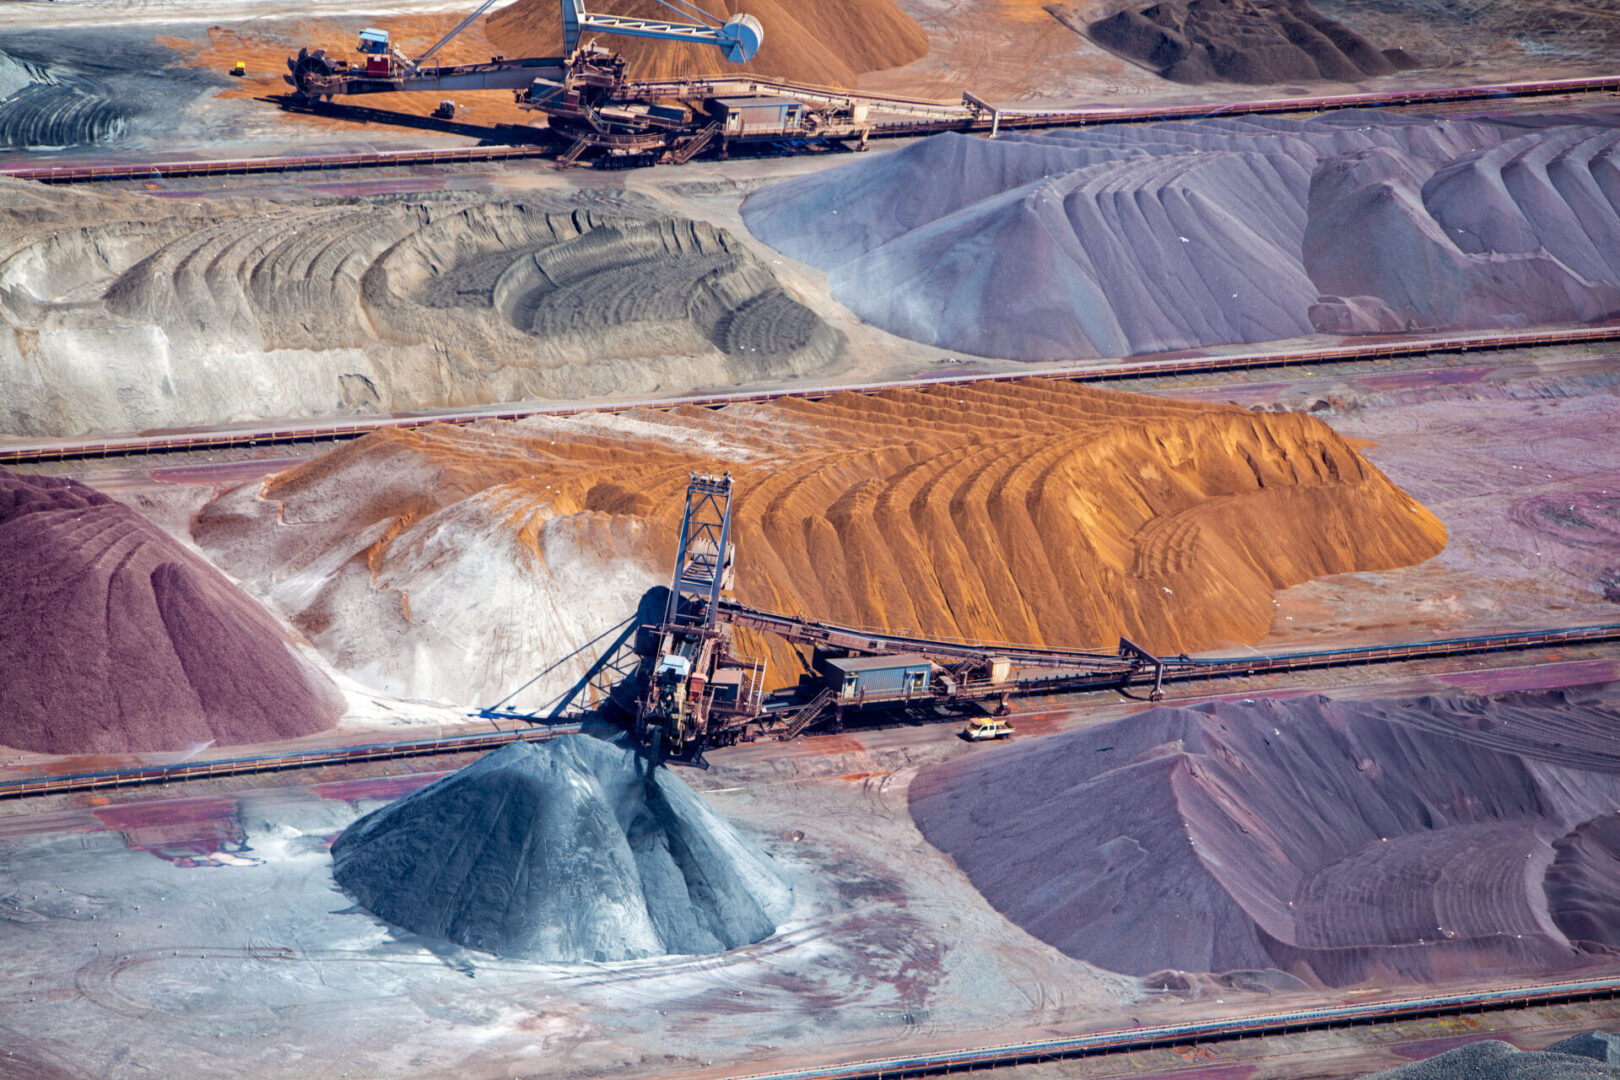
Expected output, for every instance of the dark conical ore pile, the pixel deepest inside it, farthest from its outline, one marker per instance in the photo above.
(116, 638)
(1338, 841)
(1594, 1056)
(562, 851)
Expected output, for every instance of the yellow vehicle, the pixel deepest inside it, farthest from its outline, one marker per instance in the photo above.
(981, 728)
(240, 69)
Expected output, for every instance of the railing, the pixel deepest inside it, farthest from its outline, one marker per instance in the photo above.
(158, 170)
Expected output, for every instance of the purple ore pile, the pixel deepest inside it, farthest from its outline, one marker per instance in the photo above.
(1119, 240)
(1337, 841)
(118, 639)
(565, 850)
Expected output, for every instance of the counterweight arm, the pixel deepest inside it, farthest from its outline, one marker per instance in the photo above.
(739, 37)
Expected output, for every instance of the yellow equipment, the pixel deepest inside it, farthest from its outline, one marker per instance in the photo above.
(240, 69)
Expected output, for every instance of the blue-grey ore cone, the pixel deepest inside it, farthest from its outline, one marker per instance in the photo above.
(1580, 1058)
(562, 851)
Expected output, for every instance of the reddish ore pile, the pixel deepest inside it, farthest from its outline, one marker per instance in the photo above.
(117, 638)
(1338, 841)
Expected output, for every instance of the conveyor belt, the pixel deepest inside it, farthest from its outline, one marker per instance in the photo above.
(1177, 669)
(1132, 1040)
(916, 117)
(1380, 348)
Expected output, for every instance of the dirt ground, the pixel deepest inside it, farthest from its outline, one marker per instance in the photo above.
(265, 44)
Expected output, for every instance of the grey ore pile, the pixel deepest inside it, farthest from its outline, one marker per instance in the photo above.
(1594, 1056)
(1242, 41)
(566, 850)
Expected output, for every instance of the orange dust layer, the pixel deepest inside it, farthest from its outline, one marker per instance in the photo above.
(1037, 512)
(267, 47)
(831, 42)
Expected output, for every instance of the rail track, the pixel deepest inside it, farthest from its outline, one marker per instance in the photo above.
(489, 740)
(1129, 1040)
(920, 117)
(1147, 368)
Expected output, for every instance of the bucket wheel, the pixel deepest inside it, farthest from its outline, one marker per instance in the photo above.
(307, 69)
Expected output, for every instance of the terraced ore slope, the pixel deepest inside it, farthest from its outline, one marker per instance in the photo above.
(1124, 240)
(121, 313)
(1340, 842)
(457, 563)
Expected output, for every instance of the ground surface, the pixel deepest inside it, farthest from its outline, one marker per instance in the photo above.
(889, 946)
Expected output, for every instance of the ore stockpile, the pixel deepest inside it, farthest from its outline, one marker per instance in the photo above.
(1247, 41)
(117, 638)
(114, 311)
(1038, 512)
(1337, 841)
(1594, 1056)
(832, 43)
(574, 849)
(1123, 240)
(90, 88)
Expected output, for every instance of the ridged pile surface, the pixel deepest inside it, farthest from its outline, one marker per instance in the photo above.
(116, 638)
(1115, 241)
(227, 311)
(1338, 841)
(831, 42)
(566, 850)
(458, 562)
(1243, 41)
(1523, 231)
(42, 109)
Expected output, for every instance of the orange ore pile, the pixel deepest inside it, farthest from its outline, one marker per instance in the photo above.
(1038, 512)
(831, 42)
